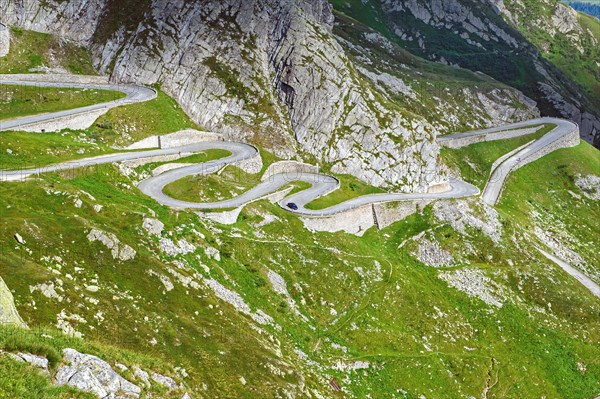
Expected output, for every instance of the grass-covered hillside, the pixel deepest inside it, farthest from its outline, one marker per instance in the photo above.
(33, 51)
(454, 301)
(18, 101)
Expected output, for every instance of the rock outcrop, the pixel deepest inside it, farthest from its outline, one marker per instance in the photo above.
(8, 311)
(4, 40)
(92, 374)
(35, 360)
(118, 250)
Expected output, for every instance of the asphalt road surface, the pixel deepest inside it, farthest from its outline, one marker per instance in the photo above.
(133, 94)
(498, 177)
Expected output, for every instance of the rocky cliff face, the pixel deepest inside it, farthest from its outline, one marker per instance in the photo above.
(543, 48)
(570, 40)
(272, 72)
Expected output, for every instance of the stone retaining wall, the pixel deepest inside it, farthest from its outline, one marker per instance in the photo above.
(289, 167)
(570, 140)
(74, 122)
(392, 212)
(355, 221)
(358, 221)
(177, 139)
(468, 140)
(439, 187)
(231, 216)
(252, 166)
(504, 157)
(224, 217)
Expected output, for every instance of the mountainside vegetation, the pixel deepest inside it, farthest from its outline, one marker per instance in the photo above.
(545, 49)
(353, 302)
(20, 101)
(40, 52)
(455, 300)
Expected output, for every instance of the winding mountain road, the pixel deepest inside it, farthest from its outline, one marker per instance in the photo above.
(500, 173)
(320, 184)
(133, 94)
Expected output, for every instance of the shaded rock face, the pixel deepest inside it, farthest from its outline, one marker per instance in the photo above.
(52, 16)
(289, 75)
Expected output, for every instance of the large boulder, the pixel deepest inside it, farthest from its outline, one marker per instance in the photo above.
(8, 311)
(92, 374)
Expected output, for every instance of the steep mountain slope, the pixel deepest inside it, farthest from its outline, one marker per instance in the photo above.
(266, 71)
(543, 48)
(454, 301)
(457, 294)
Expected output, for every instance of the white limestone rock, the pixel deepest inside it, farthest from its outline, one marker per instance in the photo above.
(19, 239)
(8, 311)
(236, 300)
(92, 374)
(431, 253)
(47, 289)
(118, 250)
(142, 375)
(590, 186)
(474, 283)
(153, 226)
(37, 361)
(165, 381)
(461, 215)
(4, 40)
(182, 247)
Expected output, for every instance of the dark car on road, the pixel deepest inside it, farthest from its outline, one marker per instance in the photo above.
(292, 206)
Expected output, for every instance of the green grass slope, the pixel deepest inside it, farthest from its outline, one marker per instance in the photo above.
(350, 299)
(33, 50)
(18, 101)
(361, 312)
